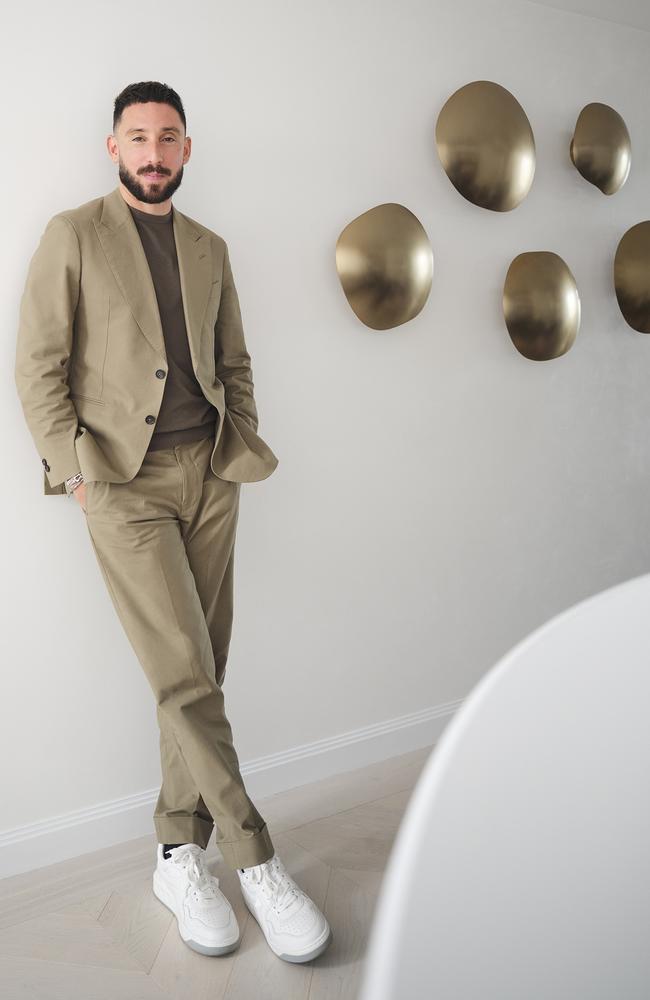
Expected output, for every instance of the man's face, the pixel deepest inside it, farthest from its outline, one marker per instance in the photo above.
(151, 148)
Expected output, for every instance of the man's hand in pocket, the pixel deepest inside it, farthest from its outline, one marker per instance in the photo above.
(80, 496)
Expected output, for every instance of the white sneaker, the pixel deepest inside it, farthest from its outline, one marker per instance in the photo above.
(206, 920)
(294, 927)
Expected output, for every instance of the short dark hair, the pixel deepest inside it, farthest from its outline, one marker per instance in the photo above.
(142, 93)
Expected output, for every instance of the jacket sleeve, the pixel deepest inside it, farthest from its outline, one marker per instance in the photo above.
(45, 335)
(232, 361)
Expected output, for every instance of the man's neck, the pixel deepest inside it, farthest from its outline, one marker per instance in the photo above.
(161, 208)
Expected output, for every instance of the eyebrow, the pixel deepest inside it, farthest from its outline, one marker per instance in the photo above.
(170, 128)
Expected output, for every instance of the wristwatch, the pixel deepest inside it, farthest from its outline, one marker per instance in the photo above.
(72, 483)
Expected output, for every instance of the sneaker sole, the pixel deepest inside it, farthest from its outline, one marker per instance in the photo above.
(314, 952)
(160, 891)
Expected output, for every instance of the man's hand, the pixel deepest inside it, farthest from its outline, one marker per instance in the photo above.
(80, 495)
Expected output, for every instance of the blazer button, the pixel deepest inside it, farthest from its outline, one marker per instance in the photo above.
(160, 373)
(45, 465)
(150, 420)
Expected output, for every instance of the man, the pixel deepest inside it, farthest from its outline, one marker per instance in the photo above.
(135, 381)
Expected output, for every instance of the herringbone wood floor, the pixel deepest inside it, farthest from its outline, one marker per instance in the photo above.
(91, 929)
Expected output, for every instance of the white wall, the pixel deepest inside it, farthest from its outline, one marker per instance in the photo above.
(438, 495)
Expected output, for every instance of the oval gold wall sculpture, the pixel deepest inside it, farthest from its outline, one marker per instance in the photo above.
(600, 148)
(541, 305)
(486, 145)
(385, 264)
(632, 276)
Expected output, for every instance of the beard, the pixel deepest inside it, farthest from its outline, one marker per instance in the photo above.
(147, 191)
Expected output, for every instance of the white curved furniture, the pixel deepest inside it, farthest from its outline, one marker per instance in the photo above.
(521, 868)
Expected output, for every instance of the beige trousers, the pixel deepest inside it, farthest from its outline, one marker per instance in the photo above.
(165, 545)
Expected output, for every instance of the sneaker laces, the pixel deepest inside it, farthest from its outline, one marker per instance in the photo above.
(273, 875)
(190, 857)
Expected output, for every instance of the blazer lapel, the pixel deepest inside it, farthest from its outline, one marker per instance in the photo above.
(195, 272)
(125, 254)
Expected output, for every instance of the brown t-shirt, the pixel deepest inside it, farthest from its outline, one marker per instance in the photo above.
(185, 413)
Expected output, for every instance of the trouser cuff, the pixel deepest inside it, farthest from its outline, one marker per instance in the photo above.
(250, 851)
(183, 830)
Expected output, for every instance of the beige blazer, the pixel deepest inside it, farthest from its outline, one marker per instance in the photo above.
(90, 356)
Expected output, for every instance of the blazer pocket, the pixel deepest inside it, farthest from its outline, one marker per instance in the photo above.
(88, 399)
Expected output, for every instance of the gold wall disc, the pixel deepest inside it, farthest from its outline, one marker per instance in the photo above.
(600, 148)
(541, 305)
(385, 265)
(486, 145)
(632, 276)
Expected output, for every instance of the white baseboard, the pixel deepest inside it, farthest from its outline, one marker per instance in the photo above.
(90, 829)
